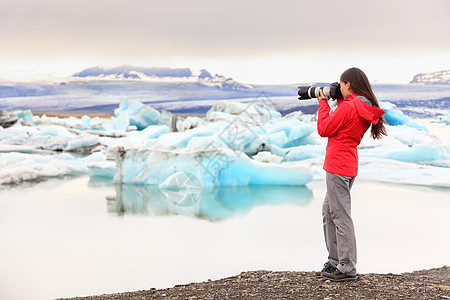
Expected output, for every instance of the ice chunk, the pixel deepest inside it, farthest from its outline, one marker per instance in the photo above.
(247, 109)
(173, 140)
(85, 141)
(139, 115)
(411, 136)
(95, 157)
(397, 117)
(19, 167)
(120, 123)
(415, 146)
(54, 130)
(267, 157)
(443, 119)
(25, 115)
(137, 139)
(419, 153)
(305, 152)
(86, 122)
(189, 123)
(52, 137)
(222, 167)
(294, 131)
(391, 171)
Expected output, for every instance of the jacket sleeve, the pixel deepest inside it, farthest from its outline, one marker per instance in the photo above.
(328, 125)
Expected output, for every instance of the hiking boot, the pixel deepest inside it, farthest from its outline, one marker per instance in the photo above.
(338, 276)
(327, 268)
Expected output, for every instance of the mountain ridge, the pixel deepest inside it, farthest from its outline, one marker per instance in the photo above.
(439, 77)
(127, 72)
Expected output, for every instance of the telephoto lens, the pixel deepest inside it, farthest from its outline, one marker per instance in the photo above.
(307, 92)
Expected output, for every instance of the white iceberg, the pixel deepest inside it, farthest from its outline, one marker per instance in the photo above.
(246, 110)
(392, 171)
(52, 137)
(406, 144)
(19, 167)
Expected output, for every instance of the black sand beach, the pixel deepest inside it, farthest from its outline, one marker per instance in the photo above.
(425, 284)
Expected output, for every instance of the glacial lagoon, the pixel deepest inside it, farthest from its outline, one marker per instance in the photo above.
(85, 236)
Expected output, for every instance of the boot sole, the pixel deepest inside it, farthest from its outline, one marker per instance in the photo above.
(340, 280)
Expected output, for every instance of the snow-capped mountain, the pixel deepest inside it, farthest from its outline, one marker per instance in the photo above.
(161, 74)
(132, 72)
(441, 77)
(221, 82)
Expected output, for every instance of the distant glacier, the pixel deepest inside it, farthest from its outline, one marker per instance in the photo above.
(180, 90)
(441, 77)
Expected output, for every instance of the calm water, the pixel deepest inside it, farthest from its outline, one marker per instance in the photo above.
(75, 237)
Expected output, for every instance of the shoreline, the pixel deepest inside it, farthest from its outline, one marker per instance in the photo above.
(93, 114)
(424, 284)
(62, 114)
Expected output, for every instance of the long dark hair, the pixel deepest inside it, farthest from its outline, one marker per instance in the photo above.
(359, 84)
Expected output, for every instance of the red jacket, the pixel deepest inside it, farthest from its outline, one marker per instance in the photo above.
(345, 128)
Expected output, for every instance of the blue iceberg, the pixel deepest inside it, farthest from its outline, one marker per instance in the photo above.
(397, 117)
(140, 115)
(219, 167)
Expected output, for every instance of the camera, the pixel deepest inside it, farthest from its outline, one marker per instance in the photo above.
(308, 92)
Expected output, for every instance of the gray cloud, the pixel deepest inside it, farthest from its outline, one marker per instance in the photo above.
(289, 39)
(211, 28)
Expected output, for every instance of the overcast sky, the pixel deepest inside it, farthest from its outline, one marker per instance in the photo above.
(252, 41)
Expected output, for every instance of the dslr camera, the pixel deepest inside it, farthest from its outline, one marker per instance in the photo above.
(308, 92)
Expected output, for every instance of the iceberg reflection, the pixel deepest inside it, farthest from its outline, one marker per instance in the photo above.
(216, 203)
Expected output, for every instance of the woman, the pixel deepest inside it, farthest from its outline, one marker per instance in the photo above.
(345, 128)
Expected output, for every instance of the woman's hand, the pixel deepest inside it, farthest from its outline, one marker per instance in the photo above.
(322, 96)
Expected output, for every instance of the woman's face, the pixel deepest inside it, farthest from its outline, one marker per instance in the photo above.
(345, 89)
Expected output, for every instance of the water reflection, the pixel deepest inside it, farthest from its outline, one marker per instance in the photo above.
(213, 204)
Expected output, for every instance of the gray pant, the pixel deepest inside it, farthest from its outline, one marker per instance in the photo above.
(338, 224)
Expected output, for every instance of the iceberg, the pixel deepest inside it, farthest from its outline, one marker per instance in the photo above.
(218, 167)
(397, 117)
(443, 119)
(25, 115)
(417, 154)
(305, 152)
(246, 110)
(392, 171)
(51, 137)
(139, 115)
(19, 167)
(406, 144)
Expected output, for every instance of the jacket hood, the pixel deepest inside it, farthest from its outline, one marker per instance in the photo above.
(370, 114)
